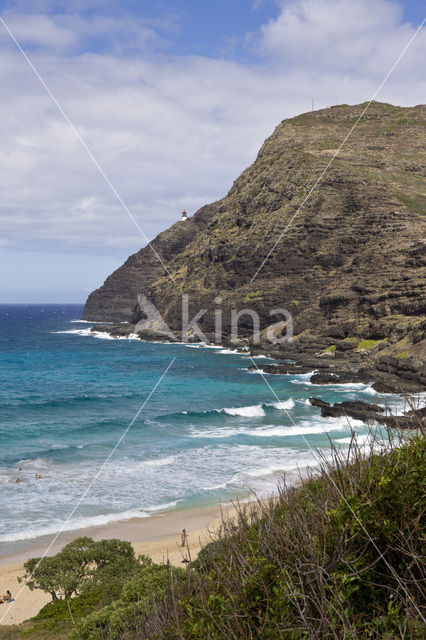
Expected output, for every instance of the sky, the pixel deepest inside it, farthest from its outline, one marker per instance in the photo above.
(165, 103)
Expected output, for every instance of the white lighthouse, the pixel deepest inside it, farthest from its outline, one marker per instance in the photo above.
(184, 215)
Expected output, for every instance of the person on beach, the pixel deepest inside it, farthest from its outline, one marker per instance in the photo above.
(18, 480)
(183, 538)
(37, 476)
(7, 597)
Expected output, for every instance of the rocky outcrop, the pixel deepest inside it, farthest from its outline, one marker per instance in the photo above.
(368, 413)
(349, 263)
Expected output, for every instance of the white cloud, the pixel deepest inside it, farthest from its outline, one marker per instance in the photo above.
(37, 29)
(171, 132)
(360, 37)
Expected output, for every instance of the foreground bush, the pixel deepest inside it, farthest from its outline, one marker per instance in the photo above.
(136, 602)
(342, 556)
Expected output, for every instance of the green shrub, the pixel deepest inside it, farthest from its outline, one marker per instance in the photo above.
(135, 602)
(337, 557)
(80, 564)
(252, 296)
(367, 344)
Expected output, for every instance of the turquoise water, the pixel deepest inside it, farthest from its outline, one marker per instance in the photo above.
(211, 431)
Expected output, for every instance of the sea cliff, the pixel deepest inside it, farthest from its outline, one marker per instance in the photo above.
(348, 260)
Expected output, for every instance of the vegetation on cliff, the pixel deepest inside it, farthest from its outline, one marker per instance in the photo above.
(339, 556)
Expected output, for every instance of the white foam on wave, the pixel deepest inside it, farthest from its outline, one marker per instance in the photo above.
(101, 335)
(369, 390)
(346, 386)
(73, 525)
(162, 507)
(77, 332)
(290, 463)
(303, 375)
(261, 371)
(34, 463)
(160, 462)
(304, 428)
(228, 351)
(284, 405)
(198, 345)
(254, 411)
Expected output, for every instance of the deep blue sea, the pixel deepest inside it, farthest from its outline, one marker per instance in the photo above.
(211, 431)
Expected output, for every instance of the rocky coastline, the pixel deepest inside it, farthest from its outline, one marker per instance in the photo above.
(384, 374)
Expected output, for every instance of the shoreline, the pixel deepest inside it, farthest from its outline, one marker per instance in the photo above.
(134, 530)
(346, 363)
(157, 537)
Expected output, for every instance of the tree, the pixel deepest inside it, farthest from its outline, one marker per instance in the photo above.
(79, 565)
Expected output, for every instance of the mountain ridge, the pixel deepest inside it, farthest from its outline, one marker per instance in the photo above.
(352, 262)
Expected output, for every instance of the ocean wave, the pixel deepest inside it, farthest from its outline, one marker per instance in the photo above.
(73, 525)
(111, 395)
(253, 411)
(101, 335)
(369, 390)
(199, 345)
(291, 465)
(229, 351)
(285, 404)
(34, 463)
(304, 428)
(159, 462)
(257, 370)
(250, 411)
(162, 507)
(347, 386)
(303, 375)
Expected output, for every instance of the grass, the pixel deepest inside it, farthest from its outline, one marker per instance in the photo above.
(414, 205)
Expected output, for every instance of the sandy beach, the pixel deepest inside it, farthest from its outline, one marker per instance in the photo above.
(157, 537)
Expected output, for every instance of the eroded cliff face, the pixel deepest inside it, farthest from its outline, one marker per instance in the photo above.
(116, 299)
(349, 263)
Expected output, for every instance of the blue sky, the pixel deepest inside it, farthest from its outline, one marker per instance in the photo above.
(174, 98)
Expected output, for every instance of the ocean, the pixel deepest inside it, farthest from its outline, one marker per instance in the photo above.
(211, 431)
